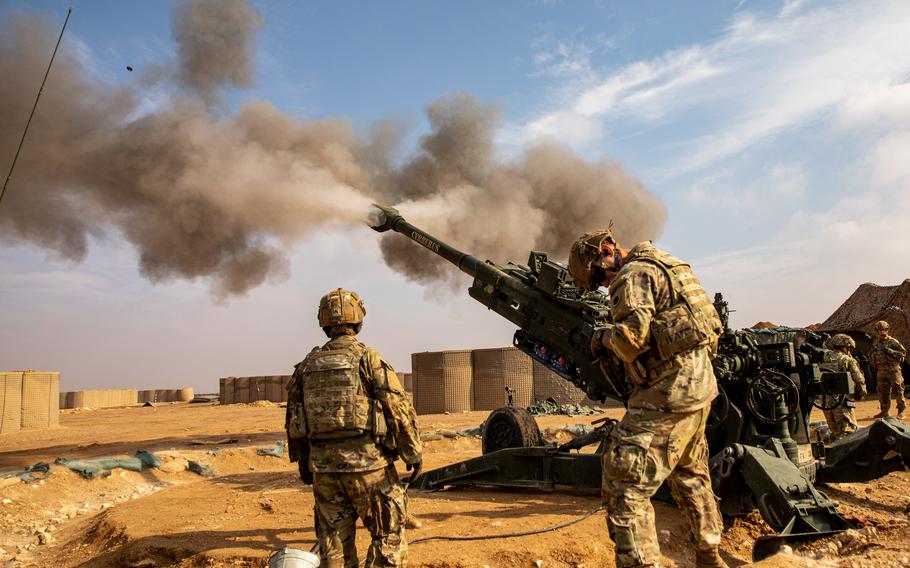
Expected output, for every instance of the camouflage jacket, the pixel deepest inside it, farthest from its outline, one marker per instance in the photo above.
(364, 452)
(887, 353)
(686, 382)
(839, 361)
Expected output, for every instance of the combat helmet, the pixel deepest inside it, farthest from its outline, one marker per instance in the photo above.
(585, 251)
(340, 307)
(882, 325)
(839, 341)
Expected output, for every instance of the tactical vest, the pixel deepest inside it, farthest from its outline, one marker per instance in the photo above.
(334, 400)
(690, 319)
(882, 357)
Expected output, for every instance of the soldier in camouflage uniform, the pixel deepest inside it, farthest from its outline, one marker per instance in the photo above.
(665, 332)
(841, 419)
(887, 354)
(347, 421)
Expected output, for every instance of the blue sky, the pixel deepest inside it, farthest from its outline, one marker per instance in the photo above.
(776, 133)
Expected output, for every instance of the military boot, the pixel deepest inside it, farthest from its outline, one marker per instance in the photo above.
(709, 559)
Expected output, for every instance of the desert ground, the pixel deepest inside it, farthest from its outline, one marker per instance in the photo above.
(254, 504)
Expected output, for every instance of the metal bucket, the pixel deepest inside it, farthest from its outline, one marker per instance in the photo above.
(293, 558)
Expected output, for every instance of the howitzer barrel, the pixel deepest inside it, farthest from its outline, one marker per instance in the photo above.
(389, 219)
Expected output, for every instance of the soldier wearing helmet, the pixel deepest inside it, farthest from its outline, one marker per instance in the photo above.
(886, 355)
(347, 421)
(665, 332)
(838, 358)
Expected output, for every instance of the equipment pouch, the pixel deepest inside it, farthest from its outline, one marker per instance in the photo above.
(297, 424)
(675, 331)
(377, 418)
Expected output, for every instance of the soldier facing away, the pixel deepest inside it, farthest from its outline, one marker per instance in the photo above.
(665, 332)
(347, 421)
(841, 419)
(887, 354)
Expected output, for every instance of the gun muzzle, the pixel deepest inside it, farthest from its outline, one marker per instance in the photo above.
(382, 218)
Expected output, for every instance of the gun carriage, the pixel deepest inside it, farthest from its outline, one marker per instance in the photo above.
(761, 454)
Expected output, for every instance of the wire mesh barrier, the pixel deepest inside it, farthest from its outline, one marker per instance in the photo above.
(29, 400)
(236, 390)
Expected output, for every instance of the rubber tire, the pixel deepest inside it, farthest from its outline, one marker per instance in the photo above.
(510, 427)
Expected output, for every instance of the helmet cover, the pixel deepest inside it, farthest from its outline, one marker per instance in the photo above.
(588, 248)
(839, 341)
(340, 307)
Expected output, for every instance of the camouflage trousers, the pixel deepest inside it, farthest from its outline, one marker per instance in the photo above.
(646, 448)
(890, 385)
(841, 419)
(378, 498)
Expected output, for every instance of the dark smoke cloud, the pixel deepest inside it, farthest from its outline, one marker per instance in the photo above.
(215, 43)
(203, 195)
(458, 191)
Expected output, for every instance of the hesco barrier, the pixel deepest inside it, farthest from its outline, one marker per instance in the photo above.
(548, 384)
(10, 402)
(499, 368)
(29, 400)
(233, 390)
(442, 381)
(407, 381)
(112, 398)
(241, 390)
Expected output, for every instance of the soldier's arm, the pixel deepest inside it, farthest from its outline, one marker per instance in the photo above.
(400, 416)
(859, 380)
(633, 304)
(896, 349)
(298, 448)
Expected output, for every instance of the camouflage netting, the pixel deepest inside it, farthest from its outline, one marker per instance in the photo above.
(868, 304)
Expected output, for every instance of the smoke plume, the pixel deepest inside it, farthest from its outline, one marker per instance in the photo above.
(222, 197)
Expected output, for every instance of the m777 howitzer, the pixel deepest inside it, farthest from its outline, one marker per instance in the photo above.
(761, 454)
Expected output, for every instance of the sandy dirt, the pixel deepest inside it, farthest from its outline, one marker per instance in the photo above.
(255, 504)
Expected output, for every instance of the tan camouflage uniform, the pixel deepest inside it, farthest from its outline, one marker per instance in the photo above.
(886, 355)
(355, 476)
(842, 420)
(662, 436)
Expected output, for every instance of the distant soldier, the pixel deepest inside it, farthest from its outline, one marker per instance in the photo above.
(666, 332)
(841, 419)
(887, 354)
(347, 421)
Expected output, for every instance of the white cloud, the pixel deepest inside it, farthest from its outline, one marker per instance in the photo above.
(722, 188)
(801, 273)
(764, 75)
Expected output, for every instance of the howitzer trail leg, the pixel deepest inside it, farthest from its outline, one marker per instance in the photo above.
(868, 453)
(785, 498)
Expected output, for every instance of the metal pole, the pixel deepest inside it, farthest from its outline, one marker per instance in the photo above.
(35, 106)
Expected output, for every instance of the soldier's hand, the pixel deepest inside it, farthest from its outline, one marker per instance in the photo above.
(415, 469)
(306, 476)
(600, 340)
(860, 392)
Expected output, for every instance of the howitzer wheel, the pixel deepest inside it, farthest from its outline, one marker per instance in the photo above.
(510, 427)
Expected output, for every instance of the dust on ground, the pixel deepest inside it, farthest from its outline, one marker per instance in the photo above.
(255, 504)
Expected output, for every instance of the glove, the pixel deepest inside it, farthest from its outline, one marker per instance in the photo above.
(306, 476)
(859, 392)
(415, 469)
(599, 341)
